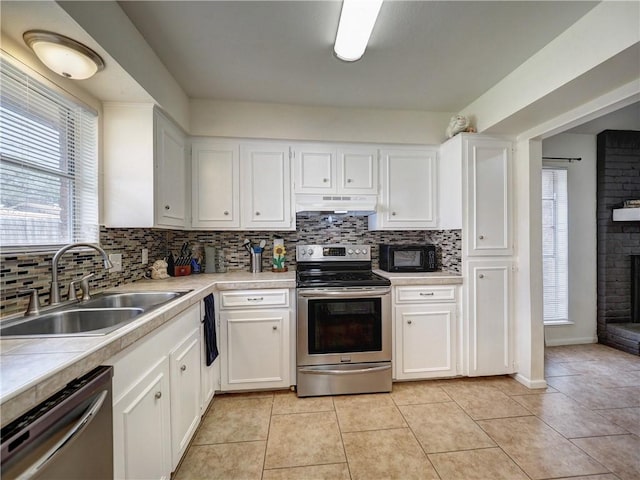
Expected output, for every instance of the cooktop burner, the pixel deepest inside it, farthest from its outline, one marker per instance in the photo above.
(336, 266)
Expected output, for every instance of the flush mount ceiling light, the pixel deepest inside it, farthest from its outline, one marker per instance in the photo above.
(357, 19)
(64, 55)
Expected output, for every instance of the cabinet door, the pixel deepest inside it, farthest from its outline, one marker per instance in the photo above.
(489, 197)
(265, 173)
(170, 182)
(141, 427)
(408, 195)
(315, 169)
(215, 172)
(209, 375)
(358, 170)
(185, 394)
(426, 341)
(489, 318)
(255, 349)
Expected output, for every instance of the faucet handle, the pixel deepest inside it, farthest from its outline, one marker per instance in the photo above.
(34, 301)
(84, 286)
(71, 294)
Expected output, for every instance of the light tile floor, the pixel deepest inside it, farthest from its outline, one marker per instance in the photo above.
(585, 425)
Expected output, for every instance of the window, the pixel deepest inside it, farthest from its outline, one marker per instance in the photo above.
(555, 245)
(48, 165)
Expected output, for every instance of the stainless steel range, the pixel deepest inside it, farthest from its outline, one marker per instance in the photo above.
(343, 323)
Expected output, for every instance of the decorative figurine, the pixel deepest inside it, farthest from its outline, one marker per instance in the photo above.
(159, 270)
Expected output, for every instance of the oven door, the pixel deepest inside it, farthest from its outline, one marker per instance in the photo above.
(343, 325)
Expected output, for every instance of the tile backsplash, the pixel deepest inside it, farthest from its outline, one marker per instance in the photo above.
(33, 270)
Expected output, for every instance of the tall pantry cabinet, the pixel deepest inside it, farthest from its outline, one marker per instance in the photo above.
(485, 165)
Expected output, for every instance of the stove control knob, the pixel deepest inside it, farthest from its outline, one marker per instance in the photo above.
(303, 251)
(310, 251)
(364, 251)
(357, 251)
(350, 251)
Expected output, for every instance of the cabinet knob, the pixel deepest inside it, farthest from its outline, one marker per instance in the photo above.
(349, 180)
(167, 207)
(409, 322)
(158, 395)
(481, 275)
(275, 327)
(325, 180)
(183, 368)
(257, 214)
(226, 212)
(393, 213)
(481, 237)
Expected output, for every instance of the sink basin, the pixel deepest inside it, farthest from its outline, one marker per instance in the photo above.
(74, 322)
(143, 300)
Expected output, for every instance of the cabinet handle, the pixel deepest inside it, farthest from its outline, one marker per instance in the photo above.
(167, 207)
(255, 299)
(349, 180)
(226, 213)
(275, 327)
(393, 213)
(183, 368)
(158, 395)
(481, 275)
(427, 294)
(257, 214)
(409, 322)
(481, 237)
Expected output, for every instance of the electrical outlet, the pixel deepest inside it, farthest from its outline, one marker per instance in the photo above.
(145, 256)
(116, 261)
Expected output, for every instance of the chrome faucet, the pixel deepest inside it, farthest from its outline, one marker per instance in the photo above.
(54, 297)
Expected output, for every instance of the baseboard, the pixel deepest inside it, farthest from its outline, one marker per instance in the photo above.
(556, 342)
(533, 384)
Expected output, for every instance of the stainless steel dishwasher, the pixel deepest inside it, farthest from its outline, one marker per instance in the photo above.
(68, 436)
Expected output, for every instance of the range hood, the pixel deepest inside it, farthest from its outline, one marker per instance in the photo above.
(361, 205)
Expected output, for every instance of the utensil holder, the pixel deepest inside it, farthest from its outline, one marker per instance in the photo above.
(256, 262)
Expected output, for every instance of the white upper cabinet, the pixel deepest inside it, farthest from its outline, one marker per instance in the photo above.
(265, 179)
(145, 182)
(170, 179)
(488, 177)
(335, 169)
(408, 196)
(215, 187)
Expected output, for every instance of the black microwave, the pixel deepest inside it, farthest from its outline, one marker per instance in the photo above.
(408, 258)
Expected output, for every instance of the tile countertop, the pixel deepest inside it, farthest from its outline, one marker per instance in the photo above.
(421, 278)
(31, 370)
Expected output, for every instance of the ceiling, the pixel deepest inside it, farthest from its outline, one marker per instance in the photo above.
(423, 55)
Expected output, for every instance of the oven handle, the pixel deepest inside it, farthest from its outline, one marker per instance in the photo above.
(344, 293)
(344, 372)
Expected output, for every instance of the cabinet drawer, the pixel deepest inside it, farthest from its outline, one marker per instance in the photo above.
(254, 298)
(445, 293)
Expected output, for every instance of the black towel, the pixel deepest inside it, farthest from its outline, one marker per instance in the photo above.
(210, 329)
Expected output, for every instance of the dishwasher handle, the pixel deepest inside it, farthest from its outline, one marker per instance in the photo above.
(82, 423)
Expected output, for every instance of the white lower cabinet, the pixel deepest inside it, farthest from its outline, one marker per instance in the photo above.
(489, 318)
(209, 375)
(185, 393)
(156, 398)
(141, 427)
(255, 340)
(425, 332)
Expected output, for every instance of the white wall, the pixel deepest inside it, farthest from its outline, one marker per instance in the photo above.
(581, 183)
(297, 122)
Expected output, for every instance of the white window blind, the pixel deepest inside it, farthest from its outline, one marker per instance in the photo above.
(48, 165)
(555, 245)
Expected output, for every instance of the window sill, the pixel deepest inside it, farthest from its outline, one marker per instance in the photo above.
(558, 323)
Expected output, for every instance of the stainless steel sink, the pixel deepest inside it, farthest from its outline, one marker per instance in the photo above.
(101, 315)
(81, 321)
(130, 299)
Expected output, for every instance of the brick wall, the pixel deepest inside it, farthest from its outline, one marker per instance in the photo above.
(618, 180)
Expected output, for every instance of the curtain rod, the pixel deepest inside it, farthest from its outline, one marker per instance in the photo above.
(568, 159)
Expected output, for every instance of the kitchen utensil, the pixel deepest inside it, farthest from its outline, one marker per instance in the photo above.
(263, 243)
(247, 245)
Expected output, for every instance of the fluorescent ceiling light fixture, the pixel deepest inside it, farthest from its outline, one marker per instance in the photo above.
(357, 19)
(64, 55)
